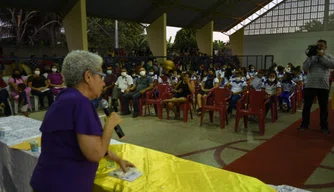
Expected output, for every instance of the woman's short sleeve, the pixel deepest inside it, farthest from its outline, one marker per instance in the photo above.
(86, 120)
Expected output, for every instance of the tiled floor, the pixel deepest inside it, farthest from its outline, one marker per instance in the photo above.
(196, 143)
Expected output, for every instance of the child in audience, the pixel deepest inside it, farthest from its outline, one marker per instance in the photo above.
(237, 86)
(280, 73)
(297, 75)
(154, 76)
(222, 82)
(194, 76)
(242, 77)
(252, 72)
(273, 88)
(23, 101)
(288, 87)
(257, 81)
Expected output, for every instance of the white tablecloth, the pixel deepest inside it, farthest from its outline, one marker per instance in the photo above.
(16, 166)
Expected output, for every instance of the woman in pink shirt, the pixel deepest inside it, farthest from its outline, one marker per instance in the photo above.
(14, 81)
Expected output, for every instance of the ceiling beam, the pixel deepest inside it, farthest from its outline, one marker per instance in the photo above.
(67, 6)
(257, 8)
(156, 4)
(212, 10)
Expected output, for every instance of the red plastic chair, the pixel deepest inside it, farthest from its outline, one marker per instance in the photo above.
(293, 103)
(197, 89)
(256, 107)
(186, 107)
(164, 79)
(122, 108)
(299, 95)
(273, 109)
(142, 101)
(219, 96)
(153, 98)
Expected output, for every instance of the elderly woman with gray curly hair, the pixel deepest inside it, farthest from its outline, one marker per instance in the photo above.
(73, 141)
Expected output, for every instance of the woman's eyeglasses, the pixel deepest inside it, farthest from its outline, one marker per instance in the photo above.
(102, 75)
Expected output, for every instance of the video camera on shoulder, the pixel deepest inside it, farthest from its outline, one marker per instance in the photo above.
(312, 50)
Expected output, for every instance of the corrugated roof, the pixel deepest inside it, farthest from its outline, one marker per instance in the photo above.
(180, 13)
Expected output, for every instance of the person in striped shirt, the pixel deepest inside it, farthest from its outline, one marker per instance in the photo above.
(317, 85)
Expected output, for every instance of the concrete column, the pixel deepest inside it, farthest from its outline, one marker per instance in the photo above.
(75, 24)
(156, 35)
(204, 39)
(237, 42)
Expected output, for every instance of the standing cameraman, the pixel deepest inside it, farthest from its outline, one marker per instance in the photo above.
(317, 85)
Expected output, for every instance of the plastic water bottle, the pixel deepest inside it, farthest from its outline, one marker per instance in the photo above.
(34, 146)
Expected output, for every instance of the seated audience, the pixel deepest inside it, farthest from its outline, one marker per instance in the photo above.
(237, 86)
(143, 84)
(220, 73)
(23, 101)
(40, 87)
(109, 81)
(297, 75)
(208, 83)
(288, 87)
(172, 78)
(55, 80)
(183, 88)
(252, 72)
(123, 83)
(273, 88)
(223, 82)
(16, 79)
(280, 73)
(289, 68)
(154, 76)
(194, 76)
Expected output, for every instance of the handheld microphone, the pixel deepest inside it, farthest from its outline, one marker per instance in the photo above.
(105, 106)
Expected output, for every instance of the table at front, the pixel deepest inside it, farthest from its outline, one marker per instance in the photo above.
(161, 171)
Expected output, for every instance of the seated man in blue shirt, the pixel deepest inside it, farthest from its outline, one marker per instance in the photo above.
(237, 87)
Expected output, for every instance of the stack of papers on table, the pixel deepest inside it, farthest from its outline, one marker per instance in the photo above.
(130, 175)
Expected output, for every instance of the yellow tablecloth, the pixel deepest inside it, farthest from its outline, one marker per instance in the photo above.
(26, 145)
(167, 173)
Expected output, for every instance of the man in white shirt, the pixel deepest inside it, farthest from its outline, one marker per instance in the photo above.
(123, 83)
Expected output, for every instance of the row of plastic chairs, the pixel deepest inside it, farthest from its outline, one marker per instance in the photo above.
(164, 91)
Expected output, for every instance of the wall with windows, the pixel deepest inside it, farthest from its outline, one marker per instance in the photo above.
(293, 16)
(286, 47)
(287, 30)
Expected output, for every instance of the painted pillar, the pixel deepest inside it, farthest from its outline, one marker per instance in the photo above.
(237, 42)
(156, 34)
(75, 24)
(204, 37)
